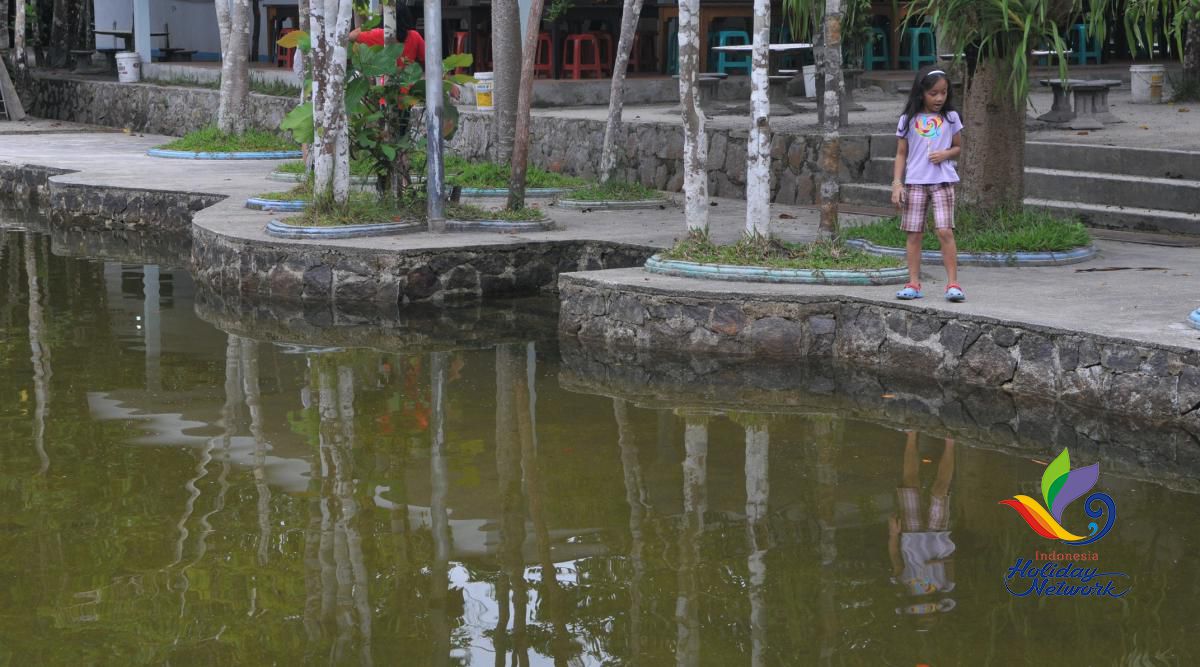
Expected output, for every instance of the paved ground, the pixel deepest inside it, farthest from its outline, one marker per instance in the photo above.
(1133, 290)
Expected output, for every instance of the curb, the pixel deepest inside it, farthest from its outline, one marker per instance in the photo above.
(632, 205)
(503, 192)
(499, 226)
(682, 269)
(1194, 319)
(279, 230)
(1073, 256)
(243, 155)
(286, 177)
(281, 205)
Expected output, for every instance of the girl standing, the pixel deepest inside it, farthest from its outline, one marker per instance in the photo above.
(929, 143)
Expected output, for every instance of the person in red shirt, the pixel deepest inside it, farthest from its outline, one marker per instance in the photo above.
(414, 44)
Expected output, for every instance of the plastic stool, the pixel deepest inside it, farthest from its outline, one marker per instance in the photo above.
(638, 62)
(577, 46)
(542, 63)
(1081, 44)
(728, 61)
(284, 57)
(460, 46)
(483, 52)
(876, 52)
(917, 56)
(607, 54)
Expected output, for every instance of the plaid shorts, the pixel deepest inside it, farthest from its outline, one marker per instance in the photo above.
(916, 206)
(910, 511)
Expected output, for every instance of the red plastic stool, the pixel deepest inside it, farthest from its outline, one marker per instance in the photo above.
(574, 47)
(284, 56)
(606, 55)
(460, 46)
(483, 52)
(542, 63)
(636, 61)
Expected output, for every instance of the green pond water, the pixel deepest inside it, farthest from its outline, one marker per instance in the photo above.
(187, 480)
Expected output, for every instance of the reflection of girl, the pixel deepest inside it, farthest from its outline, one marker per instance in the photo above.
(919, 542)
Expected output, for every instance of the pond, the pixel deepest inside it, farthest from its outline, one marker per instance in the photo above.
(191, 480)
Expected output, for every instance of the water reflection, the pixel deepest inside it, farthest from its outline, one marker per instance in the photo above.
(452, 487)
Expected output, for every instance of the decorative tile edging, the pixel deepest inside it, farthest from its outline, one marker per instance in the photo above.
(633, 205)
(1142, 380)
(287, 177)
(281, 205)
(499, 226)
(285, 231)
(1073, 256)
(237, 155)
(675, 267)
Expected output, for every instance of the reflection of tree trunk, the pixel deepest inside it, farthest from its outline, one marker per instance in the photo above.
(254, 407)
(350, 566)
(439, 512)
(327, 407)
(695, 502)
(512, 507)
(758, 490)
(826, 439)
(635, 496)
(551, 593)
(40, 354)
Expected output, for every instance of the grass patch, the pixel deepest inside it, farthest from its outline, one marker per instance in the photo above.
(1025, 230)
(302, 192)
(616, 191)
(776, 254)
(470, 212)
(492, 175)
(274, 88)
(212, 140)
(362, 208)
(357, 168)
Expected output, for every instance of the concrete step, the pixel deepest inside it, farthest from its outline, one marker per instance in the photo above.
(1169, 194)
(1094, 215)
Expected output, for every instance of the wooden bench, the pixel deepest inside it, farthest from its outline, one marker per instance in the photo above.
(175, 54)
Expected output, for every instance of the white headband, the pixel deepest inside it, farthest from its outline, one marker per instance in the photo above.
(934, 71)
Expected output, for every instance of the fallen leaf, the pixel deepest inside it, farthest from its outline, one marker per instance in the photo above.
(1144, 127)
(1083, 134)
(786, 216)
(1183, 109)
(889, 396)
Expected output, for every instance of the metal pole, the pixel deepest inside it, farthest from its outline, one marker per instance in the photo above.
(434, 173)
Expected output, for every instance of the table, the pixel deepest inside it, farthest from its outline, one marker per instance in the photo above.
(1060, 110)
(708, 14)
(126, 36)
(777, 83)
(1090, 110)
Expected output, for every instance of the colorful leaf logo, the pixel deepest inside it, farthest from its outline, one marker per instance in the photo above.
(1062, 486)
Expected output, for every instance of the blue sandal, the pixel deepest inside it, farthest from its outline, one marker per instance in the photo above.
(910, 291)
(954, 293)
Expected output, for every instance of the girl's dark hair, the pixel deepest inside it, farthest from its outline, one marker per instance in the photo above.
(927, 78)
(404, 21)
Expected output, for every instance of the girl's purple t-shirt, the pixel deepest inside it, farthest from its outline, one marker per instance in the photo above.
(929, 132)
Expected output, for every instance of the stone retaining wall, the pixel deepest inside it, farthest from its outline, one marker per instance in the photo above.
(309, 272)
(98, 207)
(1124, 377)
(652, 154)
(26, 186)
(141, 107)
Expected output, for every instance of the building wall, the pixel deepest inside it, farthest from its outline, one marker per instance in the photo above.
(192, 23)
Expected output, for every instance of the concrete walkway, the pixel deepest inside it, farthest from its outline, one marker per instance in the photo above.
(1133, 290)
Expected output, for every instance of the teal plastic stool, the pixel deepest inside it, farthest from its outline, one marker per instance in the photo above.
(1084, 48)
(728, 61)
(914, 56)
(673, 47)
(876, 52)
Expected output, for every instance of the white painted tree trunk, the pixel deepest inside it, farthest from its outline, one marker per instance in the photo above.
(758, 146)
(387, 11)
(630, 13)
(831, 152)
(19, 40)
(695, 143)
(233, 22)
(330, 23)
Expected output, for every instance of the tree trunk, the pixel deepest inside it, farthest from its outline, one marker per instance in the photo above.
(506, 63)
(387, 13)
(4, 34)
(1191, 52)
(19, 59)
(695, 142)
(992, 166)
(520, 152)
(758, 146)
(59, 40)
(233, 22)
(630, 13)
(330, 23)
(832, 95)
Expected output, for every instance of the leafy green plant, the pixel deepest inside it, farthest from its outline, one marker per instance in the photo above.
(558, 9)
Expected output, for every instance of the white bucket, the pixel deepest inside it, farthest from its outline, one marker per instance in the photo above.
(129, 67)
(1146, 82)
(810, 80)
(483, 91)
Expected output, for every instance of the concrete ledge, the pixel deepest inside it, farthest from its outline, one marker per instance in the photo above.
(1073, 256)
(500, 226)
(675, 267)
(281, 205)
(239, 155)
(635, 205)
(285, 231)
(286, 177)
(503, 192)
(1138, 379)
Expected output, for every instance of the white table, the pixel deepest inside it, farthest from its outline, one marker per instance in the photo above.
(778, 94)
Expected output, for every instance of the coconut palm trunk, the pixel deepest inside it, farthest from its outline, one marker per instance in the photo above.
(832, 96)
(233, 23)
(520, 153)
(992, 166)
(758, 147)
(695, 143)
(630, 12)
